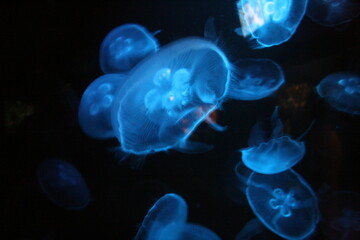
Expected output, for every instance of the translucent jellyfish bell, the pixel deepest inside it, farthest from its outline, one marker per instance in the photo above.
(342, 91)
(284, 203)
(255, 79)
(270, 22)
(332, 12)
(63, 184)
(124, 47)
(168, 94)
(96, 103)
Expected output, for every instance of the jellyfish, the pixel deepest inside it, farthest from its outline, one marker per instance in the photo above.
(255, 79)
(96, 103)
(332, 12)
(62, 183)
(124, 47)
(251, 229)
(342, 91)
(270, 22)
(284, 203)
(168, 95)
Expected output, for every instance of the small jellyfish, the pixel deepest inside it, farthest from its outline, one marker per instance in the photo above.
(332, 12)
(284, 203)
(342, 91)
(254, 79)
(270, 22)
(96, 103)
(63, 184)
(124, 47)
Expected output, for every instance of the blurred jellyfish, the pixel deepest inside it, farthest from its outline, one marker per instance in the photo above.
(284, 203)
(124, 47)
(254, 79)
(96, 103)
(332, 12)
(270, 22)
(63, 184)
(342, 91)
(168, 95)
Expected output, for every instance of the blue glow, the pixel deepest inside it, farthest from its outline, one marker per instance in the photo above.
(342, 91)
(63, 184)
(197, 232)
(333, 12)
(270, 22)
(165, 220)
(251, 229)
(168, 94)
(96, 103)
(284, 203)
(124, 47)
(254, 79)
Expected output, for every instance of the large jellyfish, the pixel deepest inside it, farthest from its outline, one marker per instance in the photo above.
(270, 22)
(168, 94)
(332, 12)
(96, 103)
(63, 184)
(124, 47)
(284, 203)
(342, 91)
(254, 79)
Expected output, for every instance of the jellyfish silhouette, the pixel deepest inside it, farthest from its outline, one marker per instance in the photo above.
(284, 203)
(124, 47)
(253, 79)
(270, 22)
(63, 184)
(167, 96)
(342, 91)
(332, 12)
(96, 103)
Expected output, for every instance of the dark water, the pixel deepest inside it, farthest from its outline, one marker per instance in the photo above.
(50, 50)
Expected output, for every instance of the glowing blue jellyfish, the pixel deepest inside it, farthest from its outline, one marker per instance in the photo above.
(124, 47)
(270, 22)
(284, 203)
(96, 103)
(63, 184)
(254, 79)
(342, 91)
(332, 12)
(168, 94)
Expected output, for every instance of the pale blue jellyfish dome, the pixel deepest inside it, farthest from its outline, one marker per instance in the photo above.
(165, 220)
(270, 22)
(342, 91)
(332, 12)
(96, 103)
(124, 47)
(284, 202)
(168, 94)
(62, 183)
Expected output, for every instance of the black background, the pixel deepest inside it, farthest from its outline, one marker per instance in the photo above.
(50, 55)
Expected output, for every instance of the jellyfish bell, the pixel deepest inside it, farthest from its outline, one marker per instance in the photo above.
(62, 183)
(284, 203)
(124, 47)
(331, 13)
(270, 22)
(342, 91)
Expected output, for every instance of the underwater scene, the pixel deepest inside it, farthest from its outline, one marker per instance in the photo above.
(181, 120)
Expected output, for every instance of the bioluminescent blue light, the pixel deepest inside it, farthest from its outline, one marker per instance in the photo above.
(254, 79)
(63, 184)
(284, 203)
(197, 232)
(251, 229)
(96, 103)
(270, 22)
(168, 94)
(332, 12)
(124, 47)
(165, 220)
(342, 91)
